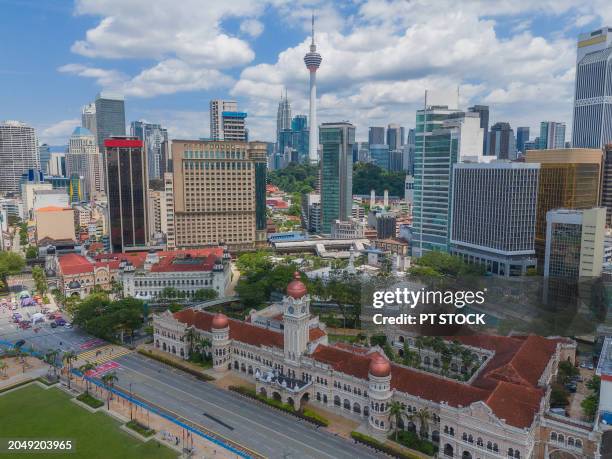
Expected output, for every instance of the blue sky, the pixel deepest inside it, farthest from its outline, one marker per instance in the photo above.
(170, 58)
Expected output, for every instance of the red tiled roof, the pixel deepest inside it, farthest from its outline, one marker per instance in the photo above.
(507, 384)
(514, 403)
(315, 333)
(73, 263)
(208, 257)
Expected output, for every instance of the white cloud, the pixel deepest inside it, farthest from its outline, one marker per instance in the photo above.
(251, 27)
(57, 133)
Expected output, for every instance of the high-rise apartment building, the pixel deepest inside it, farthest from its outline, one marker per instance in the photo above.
(216, 108)
(494, 215)
(443, 138)
(570, 178)
(110, 117)
(126, 188)
(57, 164)
(84, 159)
(483, 112)
(18, 153)
(395, 138)
(376, 135)
(522, 136)
(574, 243)
(502, 143)
(234, 126)
(592, 126)
(337, 141)
(552, 135)
(155, 140)
(219, 193)
(88, 117)
(606, 184)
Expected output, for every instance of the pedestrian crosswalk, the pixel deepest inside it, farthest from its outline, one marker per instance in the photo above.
(103, 354)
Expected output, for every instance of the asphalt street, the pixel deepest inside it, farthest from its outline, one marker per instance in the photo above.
(267, 431)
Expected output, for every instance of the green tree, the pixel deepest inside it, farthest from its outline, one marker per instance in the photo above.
(10, 263)
(68, 358)
(395, 412)
(205, 294)
(589, 406)
(109, 380)
(40, 280)
(295, 178)
(31, 252)
(368, 176)
(87, 366)
(423, 416)
(51, 360)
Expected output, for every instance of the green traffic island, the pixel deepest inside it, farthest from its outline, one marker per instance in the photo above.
(411, 440)
(306, 414)
(179, 366)
(380, 446)
(140, 429)
(90, 401)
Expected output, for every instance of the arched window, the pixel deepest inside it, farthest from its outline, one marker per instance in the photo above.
(578, 443)
(337, 401)
(553, 436)
(510, 452)
(347, 404)
(448, 450)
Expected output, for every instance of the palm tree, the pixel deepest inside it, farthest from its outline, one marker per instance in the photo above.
(109, 380)
(423, 416)
(84, 369)
(191, 335)
(3, 367)
(395, 411)
(50, 358)
(68, 357)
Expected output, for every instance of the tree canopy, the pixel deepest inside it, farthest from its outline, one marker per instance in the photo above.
(10, 263)
(295, 178)
(368, 176)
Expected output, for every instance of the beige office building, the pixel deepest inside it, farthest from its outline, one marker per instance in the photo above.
(54, 224)
(218, 193)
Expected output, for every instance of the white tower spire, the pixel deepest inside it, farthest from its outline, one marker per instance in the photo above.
(313, 60)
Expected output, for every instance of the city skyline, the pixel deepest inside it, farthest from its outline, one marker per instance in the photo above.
(517, 55)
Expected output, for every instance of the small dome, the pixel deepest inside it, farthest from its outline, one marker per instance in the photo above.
(296, 288)
(379, 366)
(220, 321)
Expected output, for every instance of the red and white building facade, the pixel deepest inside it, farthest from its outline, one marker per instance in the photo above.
(500, 412)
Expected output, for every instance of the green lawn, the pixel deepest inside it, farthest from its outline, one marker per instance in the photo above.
(32, 412)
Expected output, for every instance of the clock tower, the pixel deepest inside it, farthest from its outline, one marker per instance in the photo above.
(296, 317)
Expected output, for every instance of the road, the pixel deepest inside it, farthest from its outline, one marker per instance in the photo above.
(267, 431)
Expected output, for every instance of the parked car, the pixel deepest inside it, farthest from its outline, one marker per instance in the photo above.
(60, 321)
(68, 325)
(560, 411)
(53, 325)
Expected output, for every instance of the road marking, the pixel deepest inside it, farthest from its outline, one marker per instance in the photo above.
(103, 354)
(236, 414)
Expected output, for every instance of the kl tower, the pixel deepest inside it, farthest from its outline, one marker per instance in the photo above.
(313, 61)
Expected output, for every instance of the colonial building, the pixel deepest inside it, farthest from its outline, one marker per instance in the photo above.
(145, 275)
(500, 410)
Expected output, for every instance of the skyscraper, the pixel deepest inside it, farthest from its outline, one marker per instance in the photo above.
(126, 187)
(502, 143)
(493, 215)
(443, 138)
(379, 155)
(218, 193)
(18, 153)
(394, 137)
(44, 154)
(155, 140)
(337, 141)
(234, 126)
(574, 243)
(483, 112)
(283, 116)
(313, 60)
(570, 178)
(522, 136)
(592, 126)
(376, 135)
(88, 117)
(216, 108)
(84, 160)
(552, 135)
(606, 184)
(110, 117)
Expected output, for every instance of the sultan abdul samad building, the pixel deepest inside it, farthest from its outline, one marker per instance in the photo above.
(501, 411)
